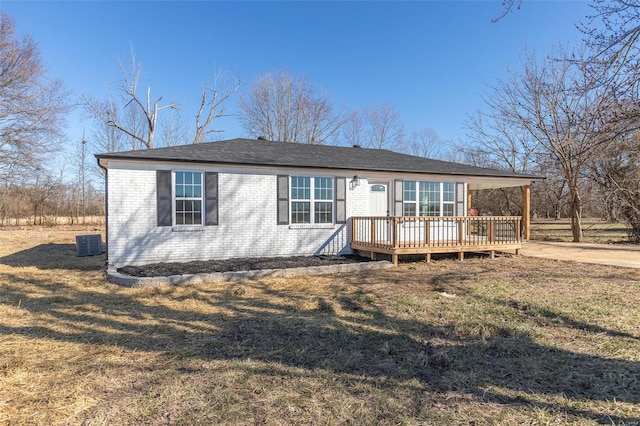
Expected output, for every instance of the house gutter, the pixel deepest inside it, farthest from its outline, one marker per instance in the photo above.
(515, 175)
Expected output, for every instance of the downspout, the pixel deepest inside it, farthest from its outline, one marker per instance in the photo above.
(106, 208)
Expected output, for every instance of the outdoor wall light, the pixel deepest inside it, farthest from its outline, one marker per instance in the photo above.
(355, 182)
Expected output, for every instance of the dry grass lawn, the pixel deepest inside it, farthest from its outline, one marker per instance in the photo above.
(523, 341)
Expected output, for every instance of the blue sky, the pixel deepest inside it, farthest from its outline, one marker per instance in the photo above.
(430, 60)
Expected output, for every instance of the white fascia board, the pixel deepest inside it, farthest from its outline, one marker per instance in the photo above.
(475, 182)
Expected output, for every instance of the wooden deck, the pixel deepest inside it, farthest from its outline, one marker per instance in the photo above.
(398, 235)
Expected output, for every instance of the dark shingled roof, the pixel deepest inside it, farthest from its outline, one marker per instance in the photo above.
(283, 154)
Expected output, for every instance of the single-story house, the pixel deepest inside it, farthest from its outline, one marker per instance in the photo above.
(257, 198)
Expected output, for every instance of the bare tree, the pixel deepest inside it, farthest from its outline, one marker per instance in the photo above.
(214, 95)
(378, 127)
(32, 107)
(500, 143)
(613, 30)
(107, 138)
(627, 190)
(563, 109)
(616, 170)
(138, 116)
(507, 7)
(136, 107)
(551, 194)
(613, 34)
(504, 144)
(353, 129)
(285, 108)
(425, 143)
(606, 170)
(172, 130)
(384, 128)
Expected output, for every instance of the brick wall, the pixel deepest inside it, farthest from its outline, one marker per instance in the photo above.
(247, 220)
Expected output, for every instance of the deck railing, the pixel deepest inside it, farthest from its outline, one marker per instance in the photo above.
(416, 232)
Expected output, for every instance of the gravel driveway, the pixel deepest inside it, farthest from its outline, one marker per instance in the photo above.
(602, 254)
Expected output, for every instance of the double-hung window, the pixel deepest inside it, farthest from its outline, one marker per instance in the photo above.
(426, 198)
(429, 198)
(409, 206)
(448, 198)
(323, 200)
(312, 199)
(188, 198)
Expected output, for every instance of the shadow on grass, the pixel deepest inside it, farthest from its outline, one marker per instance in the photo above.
(256, 321)
(54, 256)
(536, 313)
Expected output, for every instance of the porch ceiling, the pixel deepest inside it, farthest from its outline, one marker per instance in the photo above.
(506, 183)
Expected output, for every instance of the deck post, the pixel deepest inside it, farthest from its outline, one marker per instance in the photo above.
(394, 259)
(396, 243)
(526, 212)
(460, 255)
(373, 230)
(427, 233)
(468, 207)
(428, 257)
(519, 238)
(353, 229)
(490, 230)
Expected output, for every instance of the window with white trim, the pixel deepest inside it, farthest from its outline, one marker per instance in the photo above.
(409, 207)
(188, 198)
(311, 199)
(448, 198)
(427, 198)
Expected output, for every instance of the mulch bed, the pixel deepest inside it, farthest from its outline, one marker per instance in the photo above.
(238, 264)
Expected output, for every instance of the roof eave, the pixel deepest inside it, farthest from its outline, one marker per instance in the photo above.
(100, 157)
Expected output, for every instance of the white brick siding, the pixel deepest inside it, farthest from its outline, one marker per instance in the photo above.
(247, 219)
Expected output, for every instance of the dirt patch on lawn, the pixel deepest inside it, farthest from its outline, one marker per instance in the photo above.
(238, 264)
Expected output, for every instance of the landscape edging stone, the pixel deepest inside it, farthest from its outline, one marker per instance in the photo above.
(116, 277)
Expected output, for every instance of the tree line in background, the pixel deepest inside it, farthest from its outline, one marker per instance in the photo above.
(50, 202)
(572, 117)
(32, 111)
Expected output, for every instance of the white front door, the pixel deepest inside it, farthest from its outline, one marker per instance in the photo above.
(379, 206)
(379, 199)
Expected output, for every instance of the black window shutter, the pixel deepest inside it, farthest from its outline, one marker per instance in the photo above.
(398, 195)
(163, 197)
(341, 205)
(211, 198)
(283, 199)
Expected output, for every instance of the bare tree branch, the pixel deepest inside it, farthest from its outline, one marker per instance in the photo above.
(213, 98)
(32, 107)
(285, 108)
(134, 106)
(385, 129)
(562, 108)
(507, 7)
